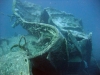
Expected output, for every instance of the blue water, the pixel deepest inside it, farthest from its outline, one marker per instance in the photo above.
(87, 10)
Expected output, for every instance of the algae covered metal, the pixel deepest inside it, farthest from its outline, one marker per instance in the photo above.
(14, 63)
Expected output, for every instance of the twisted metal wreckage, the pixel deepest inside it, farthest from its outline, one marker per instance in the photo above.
(57, 44)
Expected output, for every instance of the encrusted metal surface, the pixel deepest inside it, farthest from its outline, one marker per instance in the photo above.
(14, 63)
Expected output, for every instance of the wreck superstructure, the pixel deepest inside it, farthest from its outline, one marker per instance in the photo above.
(57, 44)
